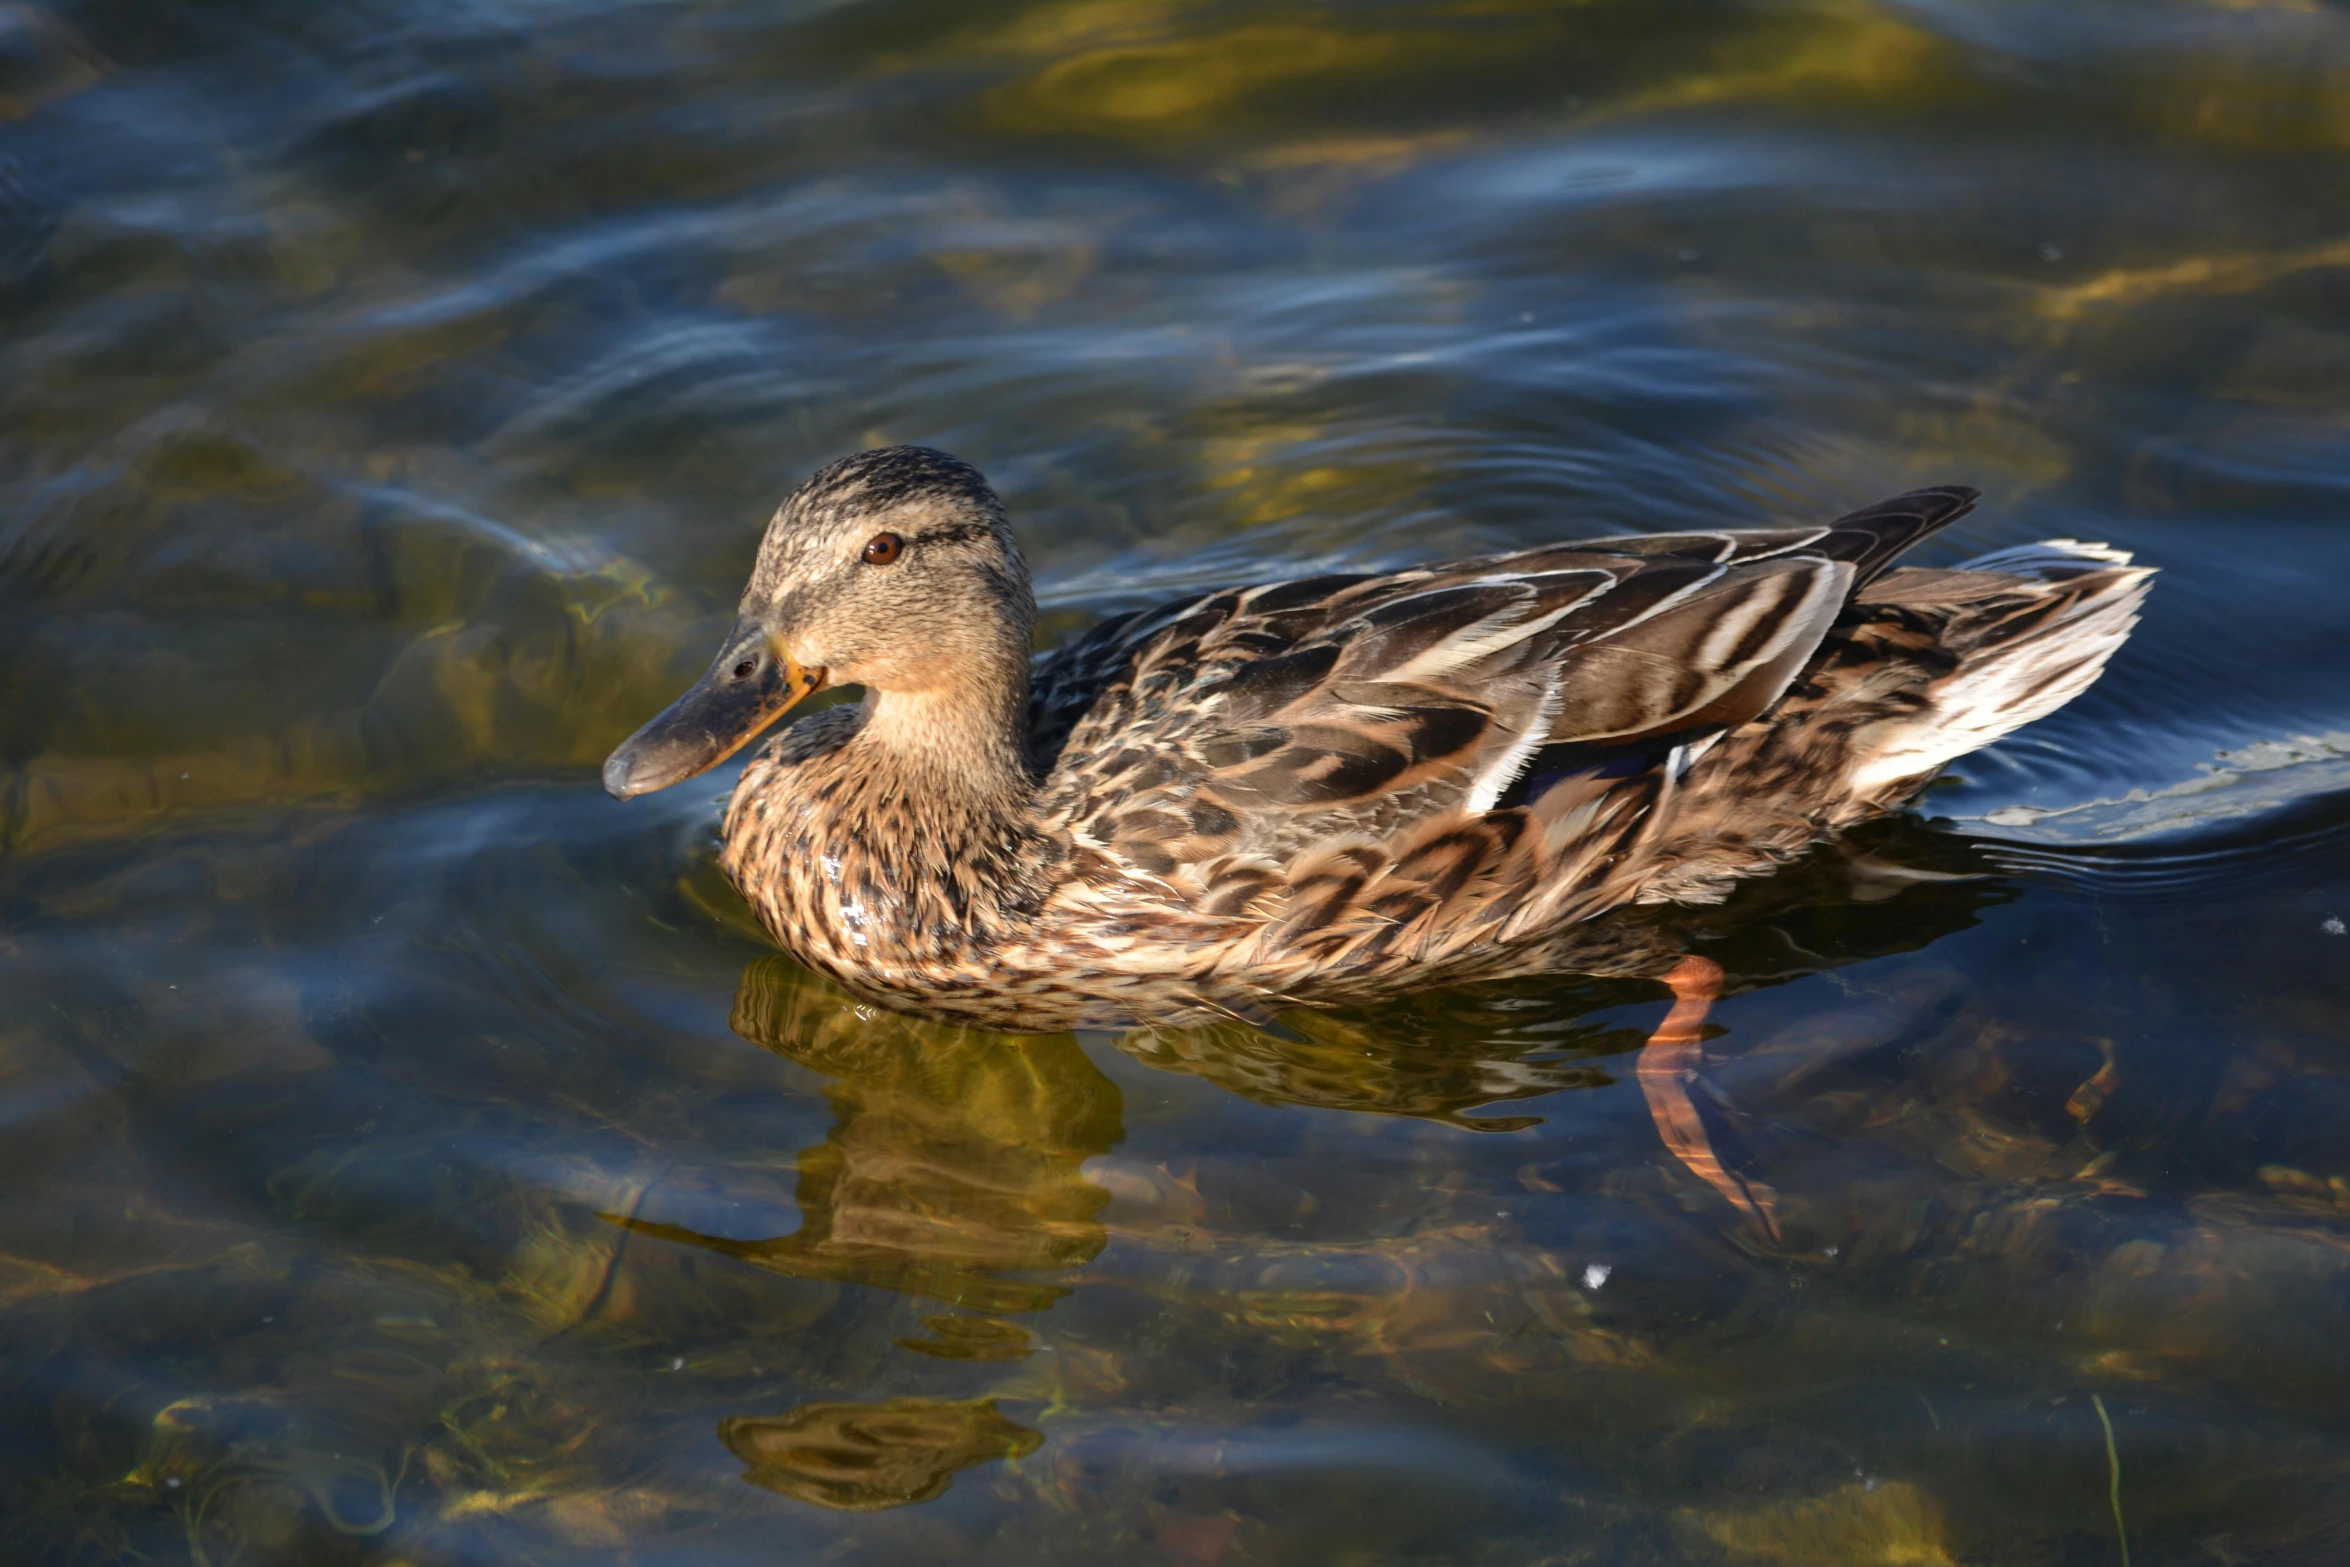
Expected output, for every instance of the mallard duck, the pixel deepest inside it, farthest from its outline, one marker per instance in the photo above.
(1330, 788)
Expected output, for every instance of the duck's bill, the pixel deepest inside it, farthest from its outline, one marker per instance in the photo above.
(708, 724)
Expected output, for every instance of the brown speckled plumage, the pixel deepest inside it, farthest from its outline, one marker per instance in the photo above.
(1325, 790)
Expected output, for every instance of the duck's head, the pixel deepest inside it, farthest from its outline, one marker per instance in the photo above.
(894, 570)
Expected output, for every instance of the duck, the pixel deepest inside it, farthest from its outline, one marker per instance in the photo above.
(1326, 789)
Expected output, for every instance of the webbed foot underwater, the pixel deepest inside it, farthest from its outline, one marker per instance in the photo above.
(1336, 788)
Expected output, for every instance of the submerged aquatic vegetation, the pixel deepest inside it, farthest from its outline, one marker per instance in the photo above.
(862, 1458)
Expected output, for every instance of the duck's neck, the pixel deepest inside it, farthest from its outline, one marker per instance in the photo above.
(958, 752)
(907, 846)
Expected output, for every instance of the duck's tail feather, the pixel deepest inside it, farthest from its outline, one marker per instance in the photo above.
(2058, 557)
(2022, 652)
(1927, 665)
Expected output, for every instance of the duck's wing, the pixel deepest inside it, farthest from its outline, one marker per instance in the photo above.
(1246, 727)
(1065, 683)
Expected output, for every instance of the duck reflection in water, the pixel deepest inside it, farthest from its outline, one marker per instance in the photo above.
(953, 1170)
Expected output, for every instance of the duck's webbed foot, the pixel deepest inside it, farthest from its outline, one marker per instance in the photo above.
(1668, 1070)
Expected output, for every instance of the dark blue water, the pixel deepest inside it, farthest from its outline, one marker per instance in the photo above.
(415, 1157)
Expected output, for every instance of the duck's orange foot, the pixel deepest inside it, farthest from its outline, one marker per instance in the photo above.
(1669, 1064)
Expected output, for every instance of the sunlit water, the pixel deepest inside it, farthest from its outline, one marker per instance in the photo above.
(414, 1156)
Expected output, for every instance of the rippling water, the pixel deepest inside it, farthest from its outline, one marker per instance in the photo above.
(415, 1157)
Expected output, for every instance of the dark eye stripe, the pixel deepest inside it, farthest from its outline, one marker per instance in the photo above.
(958, 533)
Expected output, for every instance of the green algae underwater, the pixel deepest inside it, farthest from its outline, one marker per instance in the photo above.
(416, 1158)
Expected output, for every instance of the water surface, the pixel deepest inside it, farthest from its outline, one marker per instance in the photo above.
(415, 1157)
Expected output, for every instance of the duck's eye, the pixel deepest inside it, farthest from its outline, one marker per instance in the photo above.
(883, 548)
